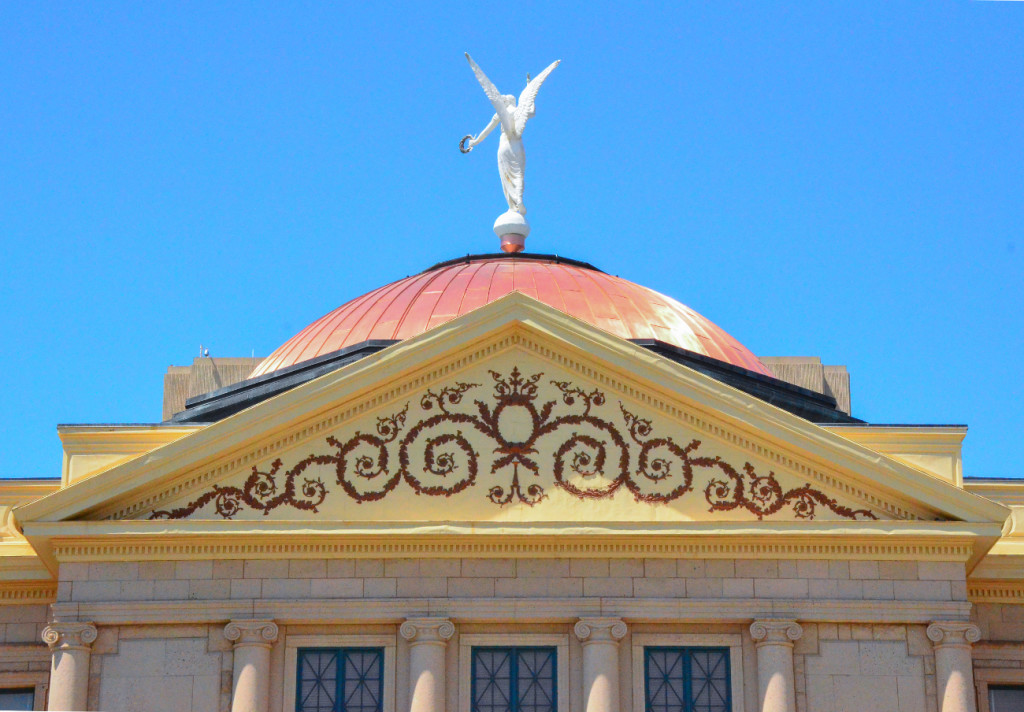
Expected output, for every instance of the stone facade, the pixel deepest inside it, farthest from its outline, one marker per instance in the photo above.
(871, 667)
(513, 578)
(836, 665)
(161, 667)
(517, 478)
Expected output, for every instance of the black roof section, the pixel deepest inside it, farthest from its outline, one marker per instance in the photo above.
(514, 256)
(219, 404)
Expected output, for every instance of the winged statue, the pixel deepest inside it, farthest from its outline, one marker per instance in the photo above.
(512, 116)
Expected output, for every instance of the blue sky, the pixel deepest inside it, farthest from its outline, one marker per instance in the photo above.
(833, 179)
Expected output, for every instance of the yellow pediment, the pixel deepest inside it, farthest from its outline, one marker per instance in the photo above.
(515, 413)
(516, 437)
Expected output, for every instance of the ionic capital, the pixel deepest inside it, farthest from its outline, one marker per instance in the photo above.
(953, 633)
(260, 633)
(435, 631)
(773, 631)
(600, 630)
(69, 636)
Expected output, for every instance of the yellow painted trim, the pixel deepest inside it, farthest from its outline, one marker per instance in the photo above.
(15, 593)
(989, 591)
(24, 567)
(190, 539)
(702, 418)
(908, 444)
(119, 443)
(18, 559)
(1009, 493)
(15, 492)
(241, 439)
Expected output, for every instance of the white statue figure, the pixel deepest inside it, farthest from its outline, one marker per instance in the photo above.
(511, 156)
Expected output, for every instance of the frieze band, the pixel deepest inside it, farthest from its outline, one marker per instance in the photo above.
(592, 457)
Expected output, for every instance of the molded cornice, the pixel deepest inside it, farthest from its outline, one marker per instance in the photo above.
(716, 411)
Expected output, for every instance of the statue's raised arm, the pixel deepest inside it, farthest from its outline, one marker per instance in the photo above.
(499, 102)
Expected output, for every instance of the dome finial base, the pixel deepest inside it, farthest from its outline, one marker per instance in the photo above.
(513, 243)
(512, 228)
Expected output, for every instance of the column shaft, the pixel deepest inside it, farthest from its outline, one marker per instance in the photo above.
(428, 641)
(250, 688)
(776, 691)
(71, 645)
(600, 638)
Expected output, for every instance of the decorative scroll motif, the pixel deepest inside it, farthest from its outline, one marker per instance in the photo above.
(588, 455)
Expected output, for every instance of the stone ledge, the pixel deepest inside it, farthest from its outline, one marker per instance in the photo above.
(394, 610)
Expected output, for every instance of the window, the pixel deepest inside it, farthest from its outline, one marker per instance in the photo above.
(514, 679)
(1000, 689)
(699, 658)
(340, 680)
(1001, 698)
(18, 699)
(300, 648)
(556, 679)
(681, 679)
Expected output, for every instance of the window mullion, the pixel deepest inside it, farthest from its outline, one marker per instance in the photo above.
(687, 680)
(339, 679)
(513, 685)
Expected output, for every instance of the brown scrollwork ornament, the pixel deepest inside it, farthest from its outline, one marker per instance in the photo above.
(588, 456)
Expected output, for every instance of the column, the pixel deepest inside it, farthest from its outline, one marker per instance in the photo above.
(600, 638)
(70, 644)
(428, 639)
(954, 676)
(250, 687)
(774, 639)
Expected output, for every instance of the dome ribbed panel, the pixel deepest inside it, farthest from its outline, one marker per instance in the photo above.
(410, 306)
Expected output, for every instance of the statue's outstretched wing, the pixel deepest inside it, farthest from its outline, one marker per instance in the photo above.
(525, 109)
(507, 121)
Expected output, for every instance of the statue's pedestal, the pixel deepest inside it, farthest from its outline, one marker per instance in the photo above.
(512, 229)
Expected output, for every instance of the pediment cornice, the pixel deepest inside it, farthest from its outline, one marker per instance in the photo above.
(526, 344)
(390, 378)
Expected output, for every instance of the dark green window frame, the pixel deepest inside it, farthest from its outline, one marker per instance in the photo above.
(542, 678)
(341, 693)
(19, 695)
(687, 679)
(999, 701)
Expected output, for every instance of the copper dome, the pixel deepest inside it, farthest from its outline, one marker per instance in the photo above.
(410, 306)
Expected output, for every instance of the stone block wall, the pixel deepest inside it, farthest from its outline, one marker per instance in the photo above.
(512, 578)
(165, 668)
(999, 657)
(999, 622)
(842, 667)
(23, 625)
(135, 666)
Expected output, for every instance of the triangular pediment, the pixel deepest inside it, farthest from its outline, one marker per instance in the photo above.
(514, 436)
(515, 413)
